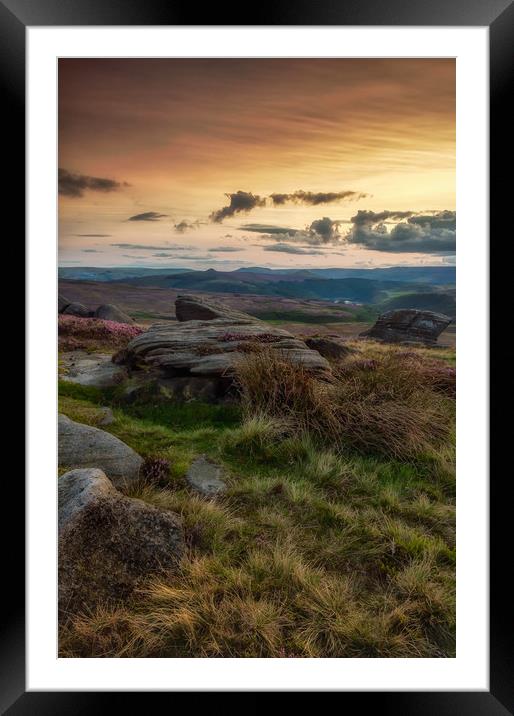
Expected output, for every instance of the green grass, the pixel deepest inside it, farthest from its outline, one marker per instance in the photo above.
(310, 553)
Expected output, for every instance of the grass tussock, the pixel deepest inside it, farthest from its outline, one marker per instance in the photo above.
(391, 405)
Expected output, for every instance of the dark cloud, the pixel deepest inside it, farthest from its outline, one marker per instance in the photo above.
(374, 217)
(74, 185)
(319, 232)
(94, 235)
(314, 198)
(422, 233)
(225, 249)
(184, 226)
(147, 216)
(240, 202)
(291, 249)
(326, 229)
(91, 251)
(437, 220)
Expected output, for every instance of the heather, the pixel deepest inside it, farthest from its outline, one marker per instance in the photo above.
(93, 333)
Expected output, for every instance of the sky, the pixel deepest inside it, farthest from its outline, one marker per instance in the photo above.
(282, 163)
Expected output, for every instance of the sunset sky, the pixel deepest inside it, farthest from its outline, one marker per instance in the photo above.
(220, 163)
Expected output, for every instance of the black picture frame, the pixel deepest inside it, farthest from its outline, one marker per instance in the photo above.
(498, 15)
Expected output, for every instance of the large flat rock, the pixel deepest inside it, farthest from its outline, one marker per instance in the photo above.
(84, 446)
(213, 347)
(96, 369)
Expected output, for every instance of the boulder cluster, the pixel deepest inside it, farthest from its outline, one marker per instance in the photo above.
(107, 311)
(109, 542)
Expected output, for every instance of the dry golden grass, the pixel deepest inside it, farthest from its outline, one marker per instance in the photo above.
(390, 405)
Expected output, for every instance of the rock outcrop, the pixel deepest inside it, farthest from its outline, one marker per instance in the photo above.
(194, 308)
(84, 446)
(77, 309)
(212, 348)
(328, 347)
(109, 544)
(406, 325)
(110, 312)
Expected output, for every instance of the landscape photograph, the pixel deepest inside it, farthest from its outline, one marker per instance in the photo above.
(256, 358)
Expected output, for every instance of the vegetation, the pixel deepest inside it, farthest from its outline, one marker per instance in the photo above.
(336, 536)
(93, 334)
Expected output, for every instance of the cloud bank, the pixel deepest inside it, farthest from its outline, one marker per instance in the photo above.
(432, 233)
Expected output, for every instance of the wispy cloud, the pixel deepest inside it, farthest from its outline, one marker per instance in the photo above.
(291, 249)
(147, 216)
(225, 249)
(150, 247)
(268, 229)
(184, 226)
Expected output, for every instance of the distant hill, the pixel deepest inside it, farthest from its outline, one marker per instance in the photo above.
(117, 273)
(297, 284)
(435, 275)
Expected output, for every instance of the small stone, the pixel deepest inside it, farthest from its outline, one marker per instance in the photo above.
(107, 416)
(205, 477)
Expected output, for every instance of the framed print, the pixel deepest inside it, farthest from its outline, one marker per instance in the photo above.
(258, 351)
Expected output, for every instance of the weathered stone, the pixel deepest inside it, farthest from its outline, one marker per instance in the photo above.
(194, 308)
(96, 369)
(77, 488)
(110, 312)
(328, 347)
(206, 477)
(84, 446)
(77, 309)
(62, 303)
(406, 325)
(109, 544)
(214, 347)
